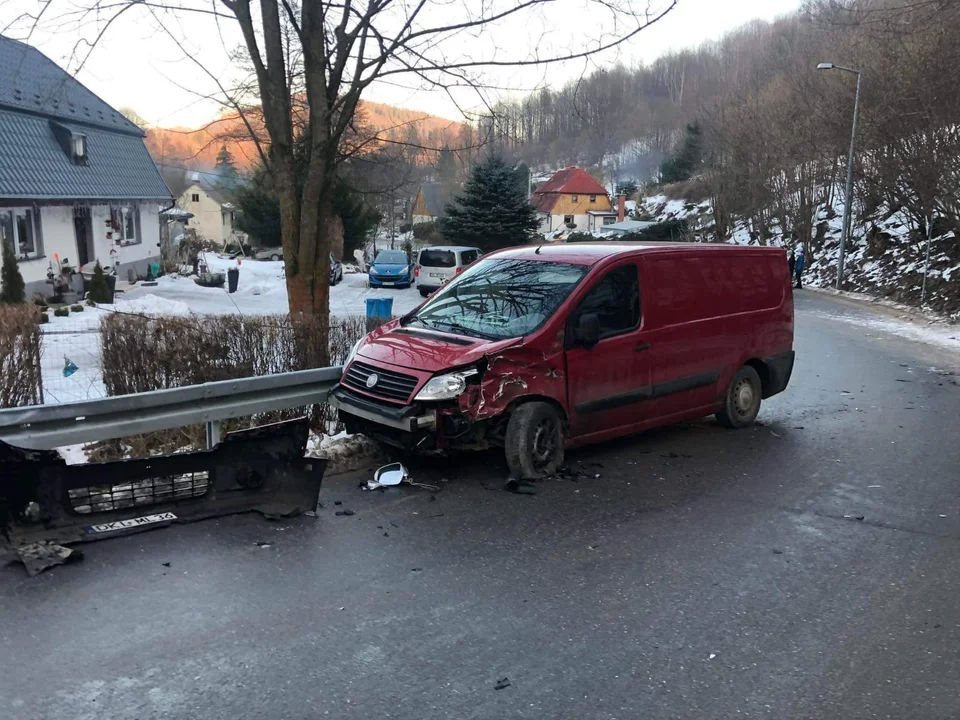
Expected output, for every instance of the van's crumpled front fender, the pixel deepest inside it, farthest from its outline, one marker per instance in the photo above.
(511, 374)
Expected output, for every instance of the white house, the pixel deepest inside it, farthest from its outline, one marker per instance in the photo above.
(76, 182)
(213, 212)
(572, 200)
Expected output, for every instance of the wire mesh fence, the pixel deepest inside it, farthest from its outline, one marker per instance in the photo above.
(71, 358)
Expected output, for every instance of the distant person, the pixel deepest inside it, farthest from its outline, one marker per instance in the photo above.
(792, 263)
(798, 270)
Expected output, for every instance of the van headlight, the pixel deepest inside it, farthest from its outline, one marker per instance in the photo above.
(353, 352)
(445, 387)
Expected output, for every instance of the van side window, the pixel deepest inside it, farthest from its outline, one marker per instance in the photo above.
(615, 300)
(468, 256)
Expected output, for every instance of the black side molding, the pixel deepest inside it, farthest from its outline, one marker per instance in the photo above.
(650, 392)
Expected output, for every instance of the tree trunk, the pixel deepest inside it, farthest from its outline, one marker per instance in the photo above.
(308, 281)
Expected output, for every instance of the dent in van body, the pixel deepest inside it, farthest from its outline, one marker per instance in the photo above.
(512, 374)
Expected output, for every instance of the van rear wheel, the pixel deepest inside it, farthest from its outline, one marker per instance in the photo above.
(534, 441)
(742, 403)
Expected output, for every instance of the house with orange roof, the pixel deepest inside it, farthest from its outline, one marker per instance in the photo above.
(573, 200)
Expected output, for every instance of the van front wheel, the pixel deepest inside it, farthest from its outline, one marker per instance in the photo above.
(534, 441)
(742, 403)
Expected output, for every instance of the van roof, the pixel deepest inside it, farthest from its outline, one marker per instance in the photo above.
(449, 247)
(590, 253)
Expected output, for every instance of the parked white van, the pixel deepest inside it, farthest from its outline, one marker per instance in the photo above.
(441, 263)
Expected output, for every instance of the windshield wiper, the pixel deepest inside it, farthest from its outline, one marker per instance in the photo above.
(453, 325)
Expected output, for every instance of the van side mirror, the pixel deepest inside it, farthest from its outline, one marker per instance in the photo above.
(588, 330)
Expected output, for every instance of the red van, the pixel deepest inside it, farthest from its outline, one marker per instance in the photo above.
(538, 349)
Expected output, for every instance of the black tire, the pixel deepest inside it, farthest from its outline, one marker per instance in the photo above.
(424, 292)
(742, 402)
(534, 441)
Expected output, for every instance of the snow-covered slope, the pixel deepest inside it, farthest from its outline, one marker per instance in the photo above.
(884, 254)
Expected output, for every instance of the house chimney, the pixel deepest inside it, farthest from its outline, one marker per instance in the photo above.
(621, 207)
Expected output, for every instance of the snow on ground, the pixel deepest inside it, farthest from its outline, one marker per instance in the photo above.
(261, 291)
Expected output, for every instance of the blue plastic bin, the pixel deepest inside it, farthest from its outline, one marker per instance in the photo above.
(380, 307)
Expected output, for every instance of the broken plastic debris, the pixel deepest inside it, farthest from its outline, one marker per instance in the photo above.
(502, 683)
(69, 367)
(520, 487)
(37, 557)
(392, 474)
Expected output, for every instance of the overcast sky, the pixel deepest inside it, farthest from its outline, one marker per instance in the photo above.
(137, 65)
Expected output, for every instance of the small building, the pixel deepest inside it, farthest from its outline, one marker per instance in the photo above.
(572, 200)
(625, 227)
(173, 225)
(431, 201)
(214, 213)
(77, 184)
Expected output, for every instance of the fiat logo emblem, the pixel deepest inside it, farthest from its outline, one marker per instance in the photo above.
(372, 379)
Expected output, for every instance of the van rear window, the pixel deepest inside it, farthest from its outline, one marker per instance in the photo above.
(438, 258)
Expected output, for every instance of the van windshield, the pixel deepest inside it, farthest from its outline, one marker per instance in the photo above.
(499, 299)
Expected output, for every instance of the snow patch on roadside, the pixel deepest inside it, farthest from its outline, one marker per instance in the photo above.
(343, 452)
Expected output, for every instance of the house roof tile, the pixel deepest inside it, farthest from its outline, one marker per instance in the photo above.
(33, 165)
(34, 92)
(572, 180)
(31, 82)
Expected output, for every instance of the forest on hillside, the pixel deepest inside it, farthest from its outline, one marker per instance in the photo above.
(178, 151)
(770, 131)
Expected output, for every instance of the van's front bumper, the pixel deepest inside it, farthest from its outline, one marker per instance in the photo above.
(411, 419)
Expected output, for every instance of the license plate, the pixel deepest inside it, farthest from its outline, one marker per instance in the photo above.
(387, 282)
(437, 275)
(134, 522)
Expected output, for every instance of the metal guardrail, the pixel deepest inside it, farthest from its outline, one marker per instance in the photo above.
(44, 427)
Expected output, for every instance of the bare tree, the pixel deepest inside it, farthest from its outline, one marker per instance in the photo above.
(314, 60)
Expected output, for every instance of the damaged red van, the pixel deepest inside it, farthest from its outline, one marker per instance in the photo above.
(538, 349)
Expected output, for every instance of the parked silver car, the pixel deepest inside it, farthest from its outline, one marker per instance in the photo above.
(275, 253)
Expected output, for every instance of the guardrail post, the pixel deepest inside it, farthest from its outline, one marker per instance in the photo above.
(213, 433)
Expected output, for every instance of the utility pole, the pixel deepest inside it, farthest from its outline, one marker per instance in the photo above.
(848, 204)
(926, 263)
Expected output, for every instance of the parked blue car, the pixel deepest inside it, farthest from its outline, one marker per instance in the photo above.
(391, 268)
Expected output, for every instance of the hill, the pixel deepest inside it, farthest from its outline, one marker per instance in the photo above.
(197, 148)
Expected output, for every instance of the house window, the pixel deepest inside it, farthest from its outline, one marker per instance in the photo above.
(568, 219)
(79, 143)
(195, 197)
(125, 224)
(20, 230)
(576, 198)
(609, 220)
(593, 198)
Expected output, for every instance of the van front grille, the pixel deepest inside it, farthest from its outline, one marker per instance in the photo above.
(390, 385)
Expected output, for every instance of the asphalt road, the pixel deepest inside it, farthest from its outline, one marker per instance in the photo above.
(703, 573)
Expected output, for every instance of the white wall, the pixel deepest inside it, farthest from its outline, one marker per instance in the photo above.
(56, 224)
(582, 222)
(207, 220)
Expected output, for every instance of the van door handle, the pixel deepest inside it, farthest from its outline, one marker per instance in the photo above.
(640, 347)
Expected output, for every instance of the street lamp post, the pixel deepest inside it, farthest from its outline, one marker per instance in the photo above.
(848, 205)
